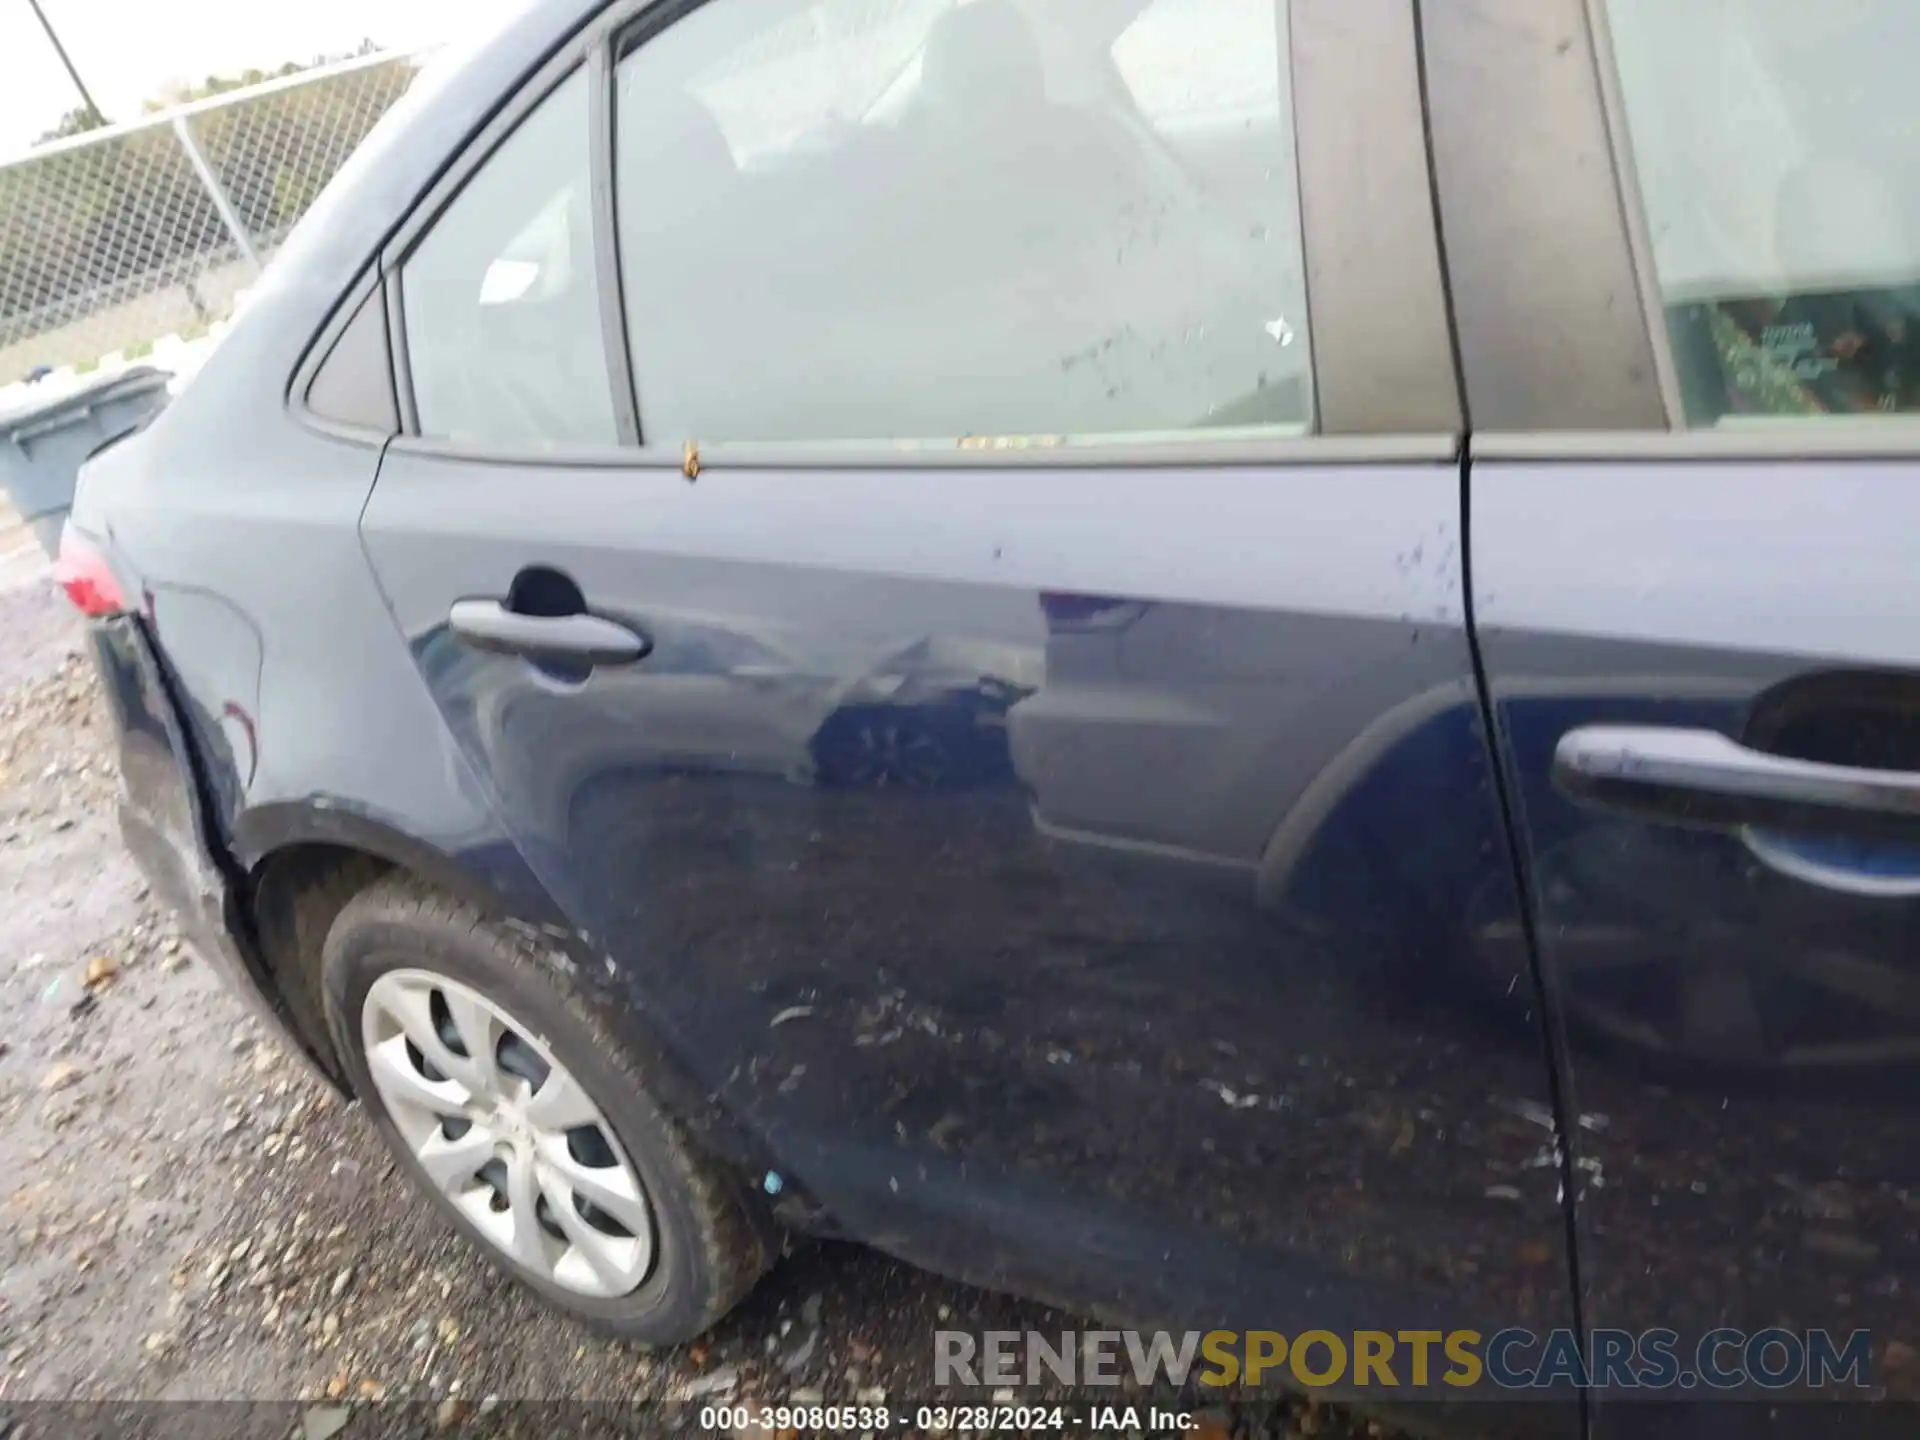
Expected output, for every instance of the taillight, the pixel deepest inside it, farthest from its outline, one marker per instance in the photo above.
(84, 574)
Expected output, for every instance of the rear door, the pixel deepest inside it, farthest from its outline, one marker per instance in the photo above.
(980, 651)
(1694, 581)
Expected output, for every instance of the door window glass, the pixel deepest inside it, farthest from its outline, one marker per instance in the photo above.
(915, 219)
(1778, 150)
(502, 313)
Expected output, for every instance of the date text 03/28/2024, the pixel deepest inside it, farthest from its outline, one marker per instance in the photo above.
(1508, 1360)
(941, 1419)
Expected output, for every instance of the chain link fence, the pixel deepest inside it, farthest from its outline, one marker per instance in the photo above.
(114, 239)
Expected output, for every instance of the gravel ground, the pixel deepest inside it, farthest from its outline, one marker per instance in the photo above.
(188, 1216)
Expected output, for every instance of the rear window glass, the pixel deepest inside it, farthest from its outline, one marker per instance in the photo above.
(925, 220)
(1777, 145)
(501, 307)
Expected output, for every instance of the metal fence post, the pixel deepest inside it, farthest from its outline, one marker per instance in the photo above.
(110, 245)
(228, 215)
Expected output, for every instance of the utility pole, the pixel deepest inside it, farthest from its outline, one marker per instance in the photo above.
(72, 74)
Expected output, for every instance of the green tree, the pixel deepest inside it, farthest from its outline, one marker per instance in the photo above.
(76, 121)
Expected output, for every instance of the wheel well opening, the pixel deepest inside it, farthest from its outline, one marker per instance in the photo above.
(297, 893)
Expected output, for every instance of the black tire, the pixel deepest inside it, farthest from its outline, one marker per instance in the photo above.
(712, 1240)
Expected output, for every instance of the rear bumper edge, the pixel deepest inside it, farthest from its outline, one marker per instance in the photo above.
(188, 884)
(164, 826)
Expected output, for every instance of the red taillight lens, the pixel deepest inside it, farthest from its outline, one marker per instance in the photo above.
(84, 574)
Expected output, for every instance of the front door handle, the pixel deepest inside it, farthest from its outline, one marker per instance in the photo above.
(1701, 778)
(581, 638)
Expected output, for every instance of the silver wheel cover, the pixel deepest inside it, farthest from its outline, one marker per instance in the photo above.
(506, 1133)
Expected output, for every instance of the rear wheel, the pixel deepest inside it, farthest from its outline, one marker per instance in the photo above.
(525, 1125)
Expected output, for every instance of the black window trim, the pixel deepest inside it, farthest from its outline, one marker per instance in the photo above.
(1633, 207)
(573, 57)
(1811, 437)
(1552, 333)
(606, 242)
(1614, 298)
(1011, 453)
(402, 359)
(381, 268)
(1350, 40)
(367, 283)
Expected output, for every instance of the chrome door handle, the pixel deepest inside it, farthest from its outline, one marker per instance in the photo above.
(1701, 778)
(490, 625)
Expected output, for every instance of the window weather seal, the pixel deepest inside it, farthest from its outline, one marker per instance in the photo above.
(606, 241)
(1633, 205)
(397, 350)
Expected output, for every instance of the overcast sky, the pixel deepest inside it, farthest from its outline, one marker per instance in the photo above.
(128, 51)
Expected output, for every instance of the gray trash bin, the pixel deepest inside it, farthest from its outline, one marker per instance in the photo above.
(43, 443)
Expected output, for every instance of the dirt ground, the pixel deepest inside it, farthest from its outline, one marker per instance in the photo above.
(184, 1215)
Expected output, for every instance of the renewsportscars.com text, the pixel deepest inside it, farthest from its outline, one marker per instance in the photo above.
(1509, 1359)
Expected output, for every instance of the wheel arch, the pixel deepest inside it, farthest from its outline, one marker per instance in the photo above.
(304, 861)
(489, 874)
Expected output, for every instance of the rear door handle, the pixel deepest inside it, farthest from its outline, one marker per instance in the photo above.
(489, 625)
(1701, 778)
